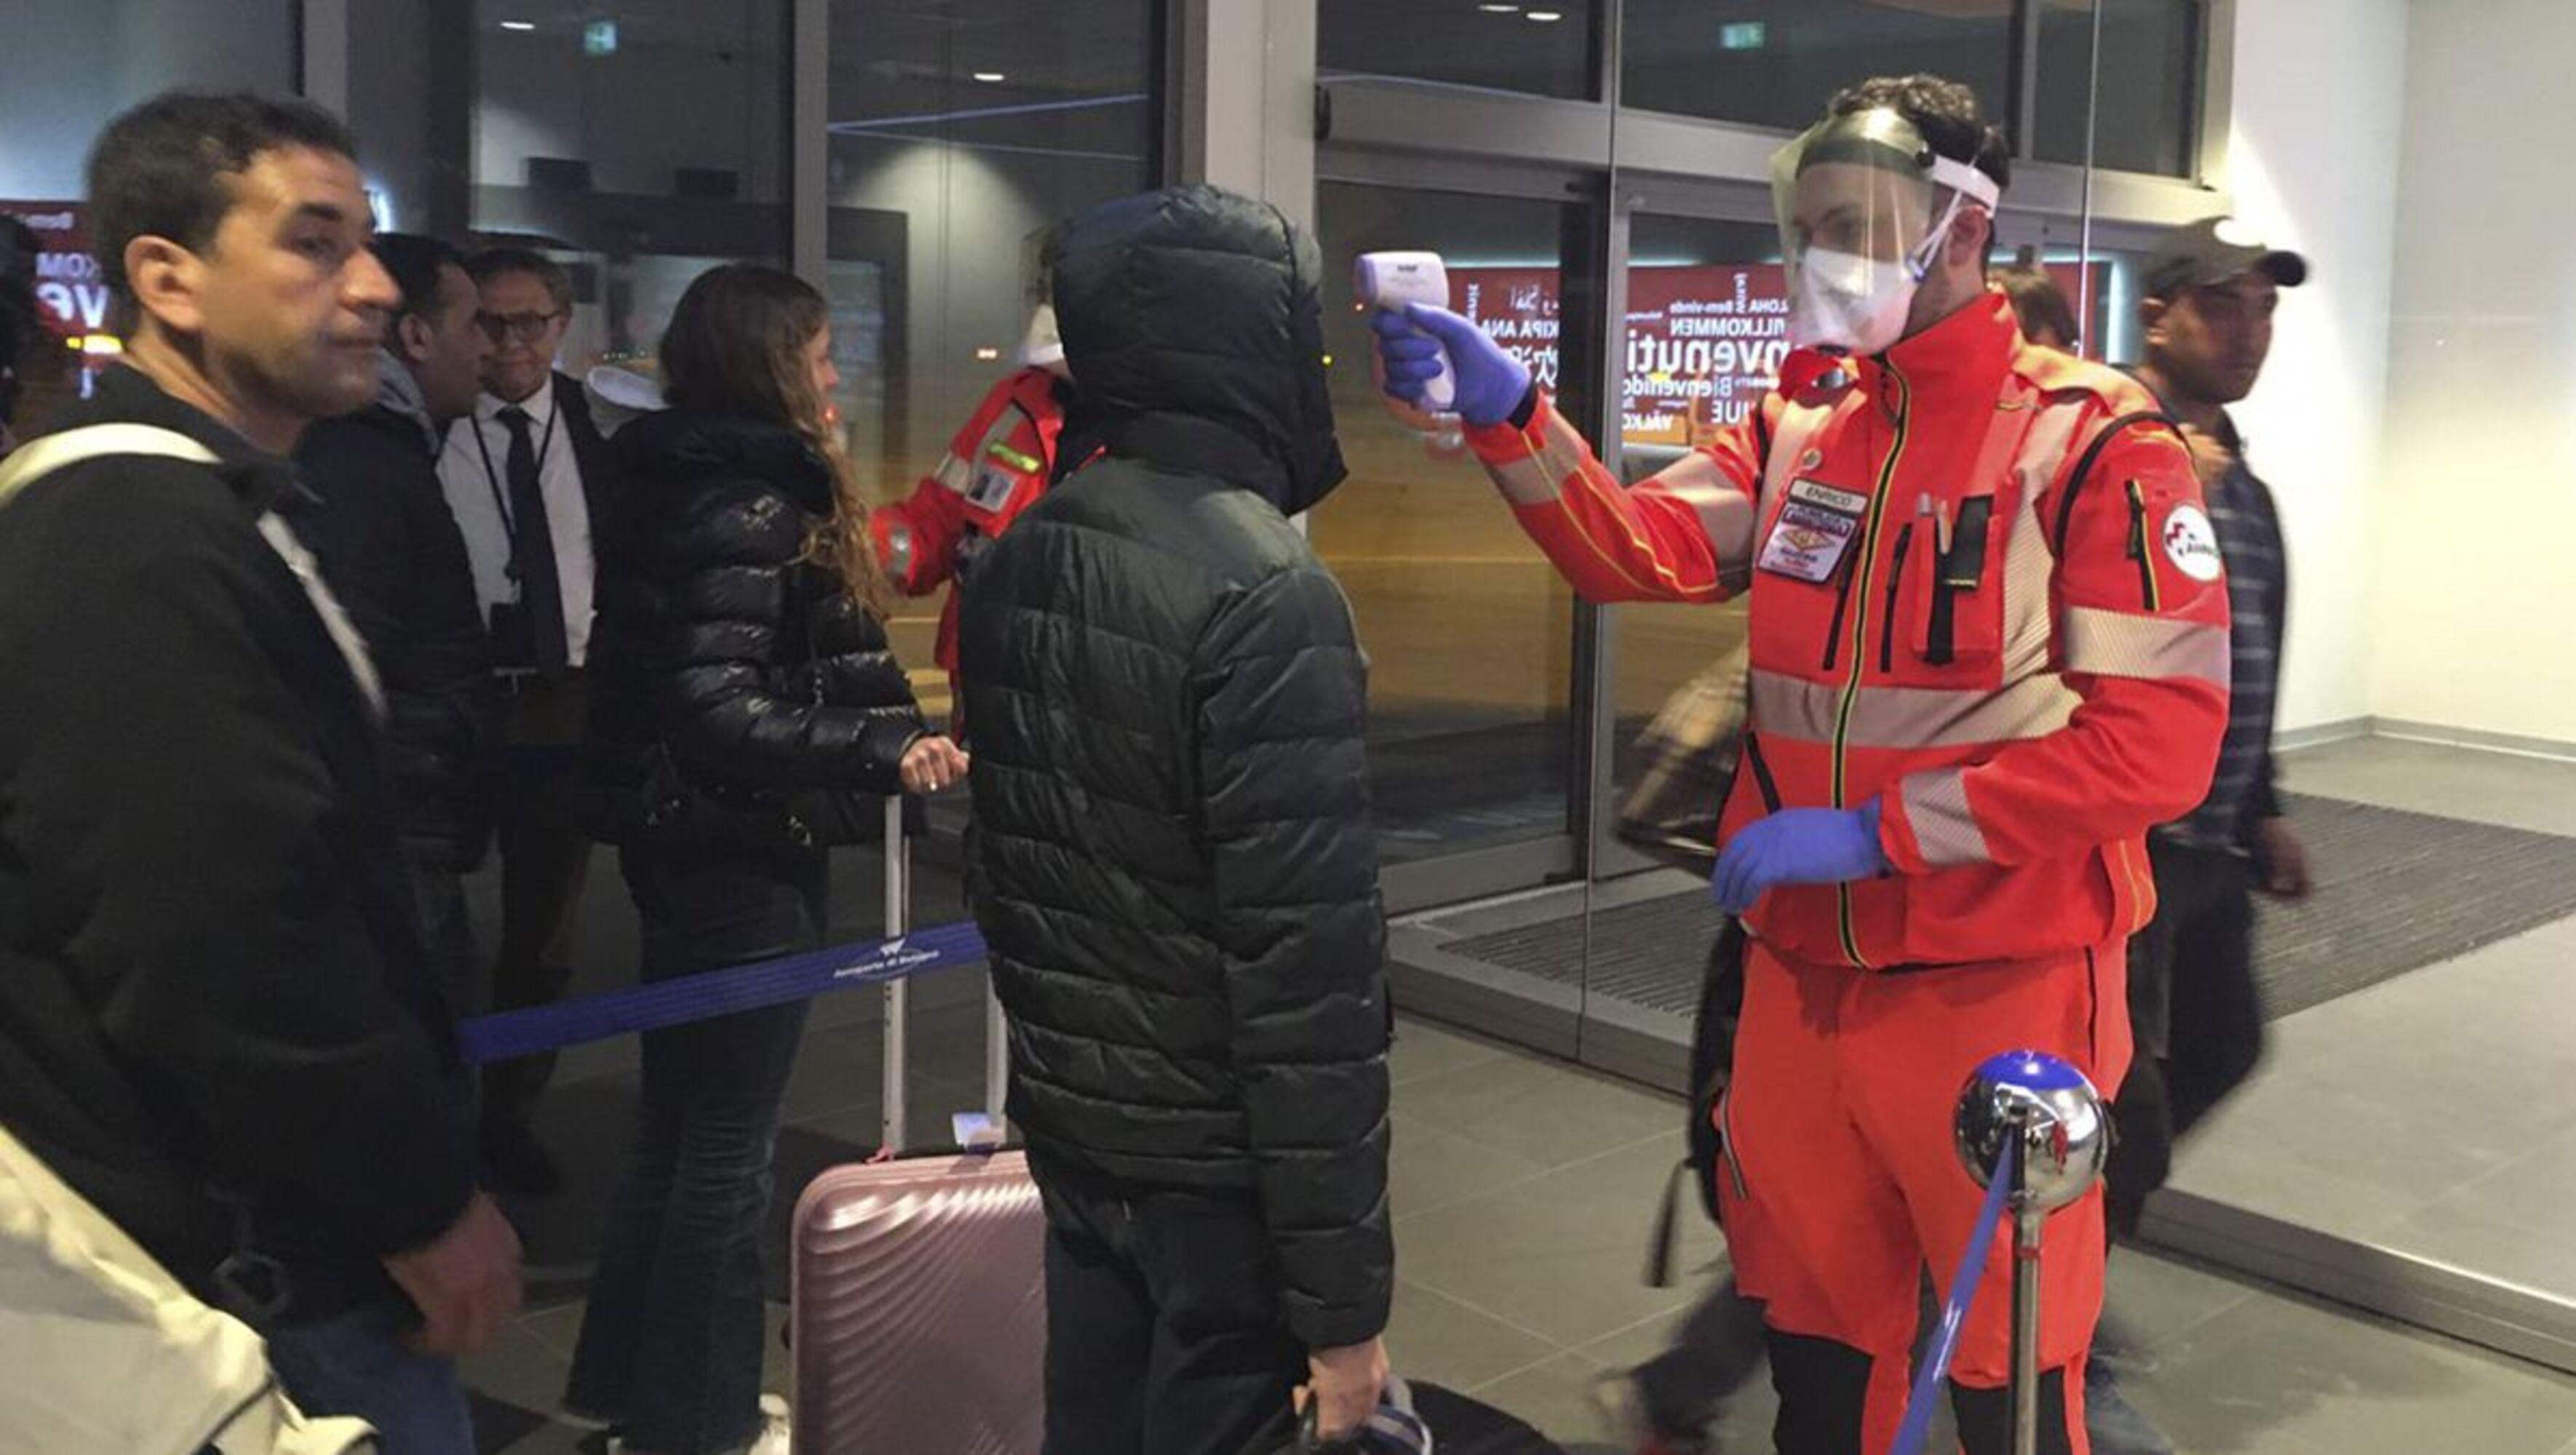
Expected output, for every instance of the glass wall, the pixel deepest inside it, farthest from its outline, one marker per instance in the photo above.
(1773, 62)
(2143, 106)
(1684, 385)
(578, 148)
(1470, 632)
(66, 68)
(958, 134)
(1531, 47)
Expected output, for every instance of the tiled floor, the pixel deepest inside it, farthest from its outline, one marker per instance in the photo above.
(2434, 1114)
(1524, 1190)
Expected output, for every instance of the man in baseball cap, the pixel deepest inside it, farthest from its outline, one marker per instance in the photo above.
(2208, 294)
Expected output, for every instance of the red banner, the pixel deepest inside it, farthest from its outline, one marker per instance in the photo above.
(71, 295)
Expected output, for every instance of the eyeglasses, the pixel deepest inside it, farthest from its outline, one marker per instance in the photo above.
(527, 328)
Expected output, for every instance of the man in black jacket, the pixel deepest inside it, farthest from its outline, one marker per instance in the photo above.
(392, 552)
(217, 1019)
(1173, 858)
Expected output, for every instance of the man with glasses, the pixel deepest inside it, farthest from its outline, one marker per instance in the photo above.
(525, 474)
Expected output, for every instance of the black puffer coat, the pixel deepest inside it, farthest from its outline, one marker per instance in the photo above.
(1173, 859)
(744, 700)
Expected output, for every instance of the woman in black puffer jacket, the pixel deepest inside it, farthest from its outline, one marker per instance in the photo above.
(749, 715)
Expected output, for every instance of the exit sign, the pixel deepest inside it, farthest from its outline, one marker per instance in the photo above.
(599, 38)
(1744, 35)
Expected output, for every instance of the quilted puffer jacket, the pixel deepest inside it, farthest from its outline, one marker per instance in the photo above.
(744, 700)
(1173, 860)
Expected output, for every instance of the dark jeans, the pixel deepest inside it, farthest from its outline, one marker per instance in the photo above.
(2197, 1014)
(545, 856)
(1163, 1329)
(670, 1349)
(358, 1364)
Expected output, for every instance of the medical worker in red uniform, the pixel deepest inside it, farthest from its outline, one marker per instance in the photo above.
(1989, 638)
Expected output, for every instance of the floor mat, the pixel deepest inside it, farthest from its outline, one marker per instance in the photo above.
(1648, 954)
(2395, 891)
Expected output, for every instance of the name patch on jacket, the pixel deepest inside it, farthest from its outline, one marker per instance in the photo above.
(1814, 531)
(992, 489)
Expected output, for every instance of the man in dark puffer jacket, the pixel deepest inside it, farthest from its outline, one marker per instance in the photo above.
(1173, 860)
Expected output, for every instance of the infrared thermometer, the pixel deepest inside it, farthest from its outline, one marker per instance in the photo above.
(1389, 281)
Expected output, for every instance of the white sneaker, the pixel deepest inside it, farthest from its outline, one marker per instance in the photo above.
(773, 1433)
(772, 1439)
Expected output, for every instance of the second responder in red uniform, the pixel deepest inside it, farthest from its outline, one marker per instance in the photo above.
(997, 465)
(1989, 649)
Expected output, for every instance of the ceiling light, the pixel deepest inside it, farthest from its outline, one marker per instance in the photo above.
(1500, 9)
(518, 25)
(991, 78)
(1545, 17)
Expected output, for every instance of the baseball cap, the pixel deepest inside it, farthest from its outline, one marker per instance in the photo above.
(2214, 250)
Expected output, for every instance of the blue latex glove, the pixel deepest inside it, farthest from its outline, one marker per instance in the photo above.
(1491, 383)
(1798, 846)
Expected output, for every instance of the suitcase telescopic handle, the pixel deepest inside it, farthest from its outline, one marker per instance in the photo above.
(898, 1000)
(895, 1129)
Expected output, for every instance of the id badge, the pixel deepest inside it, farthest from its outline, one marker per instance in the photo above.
(1814, 531)
(992, 489)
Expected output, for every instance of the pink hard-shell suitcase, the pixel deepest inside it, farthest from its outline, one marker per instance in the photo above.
(918, 1290)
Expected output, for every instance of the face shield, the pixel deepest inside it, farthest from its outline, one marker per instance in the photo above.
(1864, 205)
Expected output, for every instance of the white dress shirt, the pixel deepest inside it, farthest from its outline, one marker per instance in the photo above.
(477, 480)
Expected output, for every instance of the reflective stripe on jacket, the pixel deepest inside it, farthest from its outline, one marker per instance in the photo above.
(2019, 646)
(996, 465)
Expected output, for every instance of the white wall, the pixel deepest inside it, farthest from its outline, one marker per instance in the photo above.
(2315, 127)
(67, 66)
(2479, 487)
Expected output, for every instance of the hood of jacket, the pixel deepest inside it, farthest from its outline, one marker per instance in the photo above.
(398, 394)
(1193, 319)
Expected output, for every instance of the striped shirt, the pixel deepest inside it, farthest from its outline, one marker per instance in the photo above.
(2249, 541)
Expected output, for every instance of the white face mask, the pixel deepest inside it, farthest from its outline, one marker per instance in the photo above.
(1856, 303)
(1846, 301)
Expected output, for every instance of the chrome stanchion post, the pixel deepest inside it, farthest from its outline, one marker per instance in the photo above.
(2029, 1223)
(898, 922)
(2051, 1120)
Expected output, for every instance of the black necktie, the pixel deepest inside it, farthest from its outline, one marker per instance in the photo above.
(532, 548)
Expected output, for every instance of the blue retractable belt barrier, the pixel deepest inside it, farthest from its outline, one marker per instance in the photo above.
(717, 992)
(1954, 1313)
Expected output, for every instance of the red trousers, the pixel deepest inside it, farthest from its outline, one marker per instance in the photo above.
(1841, 1182)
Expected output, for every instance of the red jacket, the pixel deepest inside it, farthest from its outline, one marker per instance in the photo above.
(996, 466)
(1984, 592)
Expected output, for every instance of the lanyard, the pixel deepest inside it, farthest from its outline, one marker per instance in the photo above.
(492, 477)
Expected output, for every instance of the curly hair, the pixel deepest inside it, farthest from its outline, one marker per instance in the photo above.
(735, 346)
(1943, 110)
